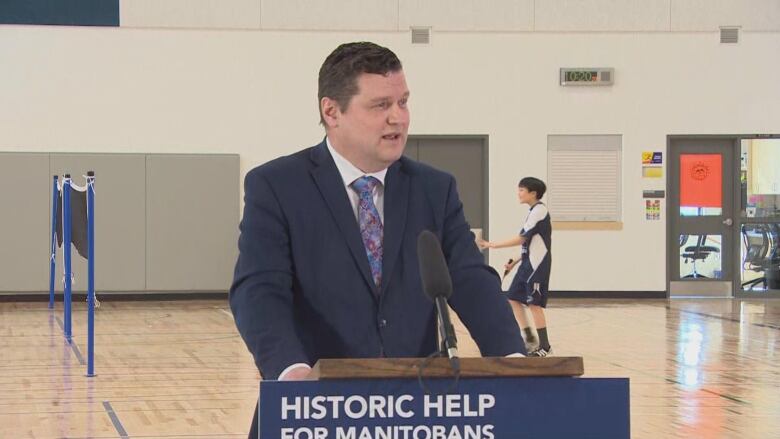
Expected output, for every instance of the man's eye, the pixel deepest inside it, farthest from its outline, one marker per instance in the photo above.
(402, 103)
(382, 105)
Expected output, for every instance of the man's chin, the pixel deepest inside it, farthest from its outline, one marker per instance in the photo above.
(392, 150)
(393, 157)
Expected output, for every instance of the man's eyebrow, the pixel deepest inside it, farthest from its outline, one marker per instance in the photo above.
(388, 98)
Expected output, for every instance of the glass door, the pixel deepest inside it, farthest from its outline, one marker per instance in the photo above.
(759, 219)
(700, 220)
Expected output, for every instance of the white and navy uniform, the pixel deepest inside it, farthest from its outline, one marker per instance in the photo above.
(530, 284)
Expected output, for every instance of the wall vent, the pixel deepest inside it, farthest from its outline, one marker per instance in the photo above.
(729, 35)
(421, 35)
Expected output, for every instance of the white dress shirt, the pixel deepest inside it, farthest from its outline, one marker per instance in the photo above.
(350, 173)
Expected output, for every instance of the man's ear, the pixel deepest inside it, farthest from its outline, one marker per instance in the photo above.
(330, 111)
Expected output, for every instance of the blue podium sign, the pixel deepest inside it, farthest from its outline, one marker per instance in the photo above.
(476, 408)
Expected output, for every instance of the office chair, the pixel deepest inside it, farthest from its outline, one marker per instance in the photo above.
(755, 238)
(697, 252)
(773, 260)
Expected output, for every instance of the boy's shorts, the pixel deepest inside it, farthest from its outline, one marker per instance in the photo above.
(529, 287)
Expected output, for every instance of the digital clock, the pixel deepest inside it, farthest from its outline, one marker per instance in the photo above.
(587, 76)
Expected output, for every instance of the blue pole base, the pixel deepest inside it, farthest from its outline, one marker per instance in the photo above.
(90, 375)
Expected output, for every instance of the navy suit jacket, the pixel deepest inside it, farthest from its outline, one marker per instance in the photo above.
(303, 288)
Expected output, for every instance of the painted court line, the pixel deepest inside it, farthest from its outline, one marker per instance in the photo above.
(731, 319)
(115, 420)
(73, 345)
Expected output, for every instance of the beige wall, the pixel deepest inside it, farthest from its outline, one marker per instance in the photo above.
(253, 93)
(455, 15)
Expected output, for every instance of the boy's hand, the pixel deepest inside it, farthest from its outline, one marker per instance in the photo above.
(482, 244)
(508, 267)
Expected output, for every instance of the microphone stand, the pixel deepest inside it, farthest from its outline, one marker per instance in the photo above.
(448, 347)
(449, 343)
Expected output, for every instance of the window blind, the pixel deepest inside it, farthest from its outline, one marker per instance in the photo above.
(584, 176)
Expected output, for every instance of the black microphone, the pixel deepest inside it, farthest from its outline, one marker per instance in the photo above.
(437, 285)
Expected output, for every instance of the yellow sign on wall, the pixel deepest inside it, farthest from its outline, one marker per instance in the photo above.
(652, 171)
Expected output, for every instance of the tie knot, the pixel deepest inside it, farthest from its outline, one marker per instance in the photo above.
(365, 185)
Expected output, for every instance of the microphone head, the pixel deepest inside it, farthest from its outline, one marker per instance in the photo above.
(433, 267)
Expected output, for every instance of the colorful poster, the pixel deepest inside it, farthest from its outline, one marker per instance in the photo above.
(701, 180)
(652, 157)
(653, 210)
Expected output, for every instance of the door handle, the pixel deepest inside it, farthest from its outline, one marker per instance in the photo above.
(728, 222)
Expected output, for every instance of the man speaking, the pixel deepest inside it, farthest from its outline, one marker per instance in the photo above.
(327, 264)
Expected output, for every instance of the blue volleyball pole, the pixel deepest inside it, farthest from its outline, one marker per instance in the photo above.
(66, 220)
(53, 256)
(91, 274)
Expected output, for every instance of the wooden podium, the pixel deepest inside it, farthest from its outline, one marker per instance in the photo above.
(493, 398)
(376, 368)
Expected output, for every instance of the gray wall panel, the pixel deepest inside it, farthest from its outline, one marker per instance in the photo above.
(412, 150)
(25, 228)
(463, 158)
(192, 221)
(119, 219)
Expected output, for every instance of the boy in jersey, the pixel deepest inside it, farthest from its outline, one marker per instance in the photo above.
(529, 286)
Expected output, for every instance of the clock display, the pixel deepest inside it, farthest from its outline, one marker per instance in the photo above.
(587, 76)
(580, 75)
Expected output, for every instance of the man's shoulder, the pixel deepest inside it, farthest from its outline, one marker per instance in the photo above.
(425, 173)
(283, 167)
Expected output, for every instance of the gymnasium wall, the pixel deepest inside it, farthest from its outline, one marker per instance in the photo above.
(192, 77)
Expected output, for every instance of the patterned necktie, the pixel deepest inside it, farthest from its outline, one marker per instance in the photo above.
(371, 229)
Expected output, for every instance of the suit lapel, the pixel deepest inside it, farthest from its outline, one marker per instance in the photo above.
(396, 202)
(331, 186)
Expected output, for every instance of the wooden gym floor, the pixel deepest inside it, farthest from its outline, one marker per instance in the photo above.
(698, 368)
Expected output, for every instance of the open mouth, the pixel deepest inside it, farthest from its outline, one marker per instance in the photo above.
(391, 136)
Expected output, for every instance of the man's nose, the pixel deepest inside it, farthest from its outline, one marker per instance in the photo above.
(397, 115)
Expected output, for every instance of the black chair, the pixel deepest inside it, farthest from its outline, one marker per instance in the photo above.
(773, 260)
(756, 239)
(762, 255)
(698, 252)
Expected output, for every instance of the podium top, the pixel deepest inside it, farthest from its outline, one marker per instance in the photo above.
(487, 367)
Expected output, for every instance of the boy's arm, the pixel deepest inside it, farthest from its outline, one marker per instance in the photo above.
(511, 242)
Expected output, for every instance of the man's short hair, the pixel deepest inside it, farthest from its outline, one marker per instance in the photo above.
(532, 184)
(339, 72)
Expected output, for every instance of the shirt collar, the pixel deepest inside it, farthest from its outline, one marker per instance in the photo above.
(350, 172)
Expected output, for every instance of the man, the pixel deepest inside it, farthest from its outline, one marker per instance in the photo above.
(328, 265)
